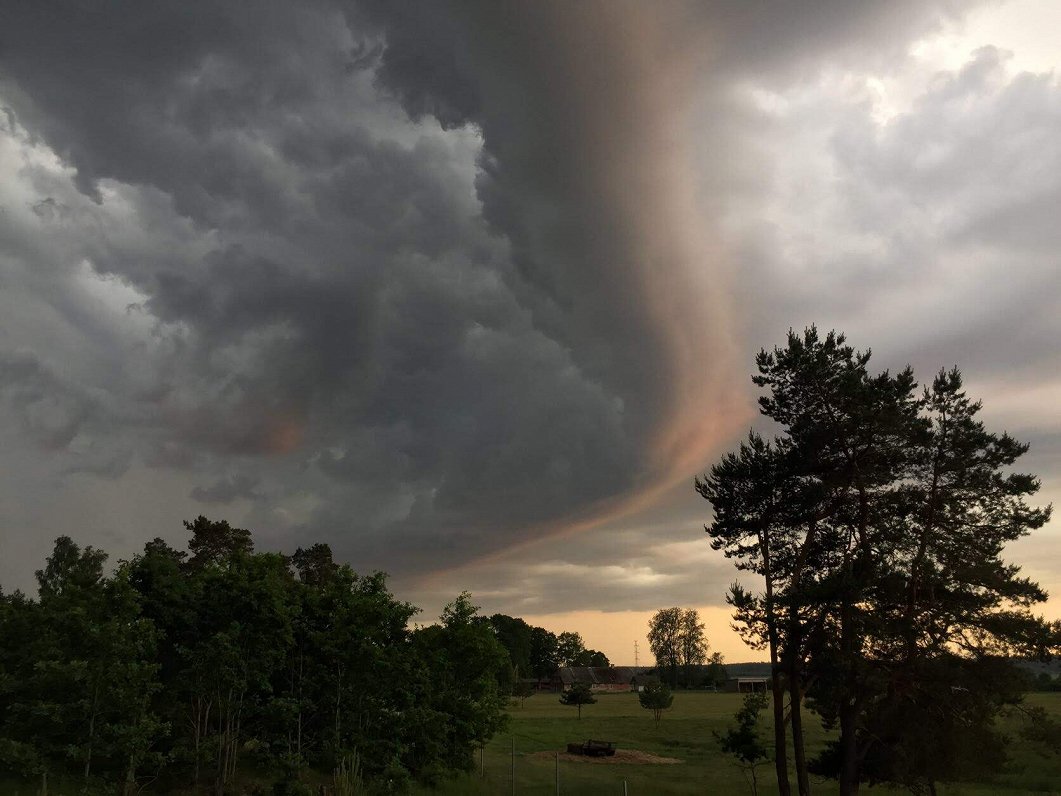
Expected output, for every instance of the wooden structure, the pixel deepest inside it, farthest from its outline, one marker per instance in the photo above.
(592, 748)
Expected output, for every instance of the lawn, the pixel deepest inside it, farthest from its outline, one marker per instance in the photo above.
(543, 727)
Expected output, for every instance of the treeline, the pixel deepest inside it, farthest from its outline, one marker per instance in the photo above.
(536, 653)
(178, 669)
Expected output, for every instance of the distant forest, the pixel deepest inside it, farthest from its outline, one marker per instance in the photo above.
(178, 668)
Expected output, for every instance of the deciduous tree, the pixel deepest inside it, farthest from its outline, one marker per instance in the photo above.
(676, 637)
(693, 644)
(578, 695)
(656, 697)
(665, 640)
(569, 649)
(543, 653)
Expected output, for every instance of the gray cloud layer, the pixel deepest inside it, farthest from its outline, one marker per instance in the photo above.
(426, 282)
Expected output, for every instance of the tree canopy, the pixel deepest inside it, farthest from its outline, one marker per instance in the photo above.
(676, 638)
(179, 669)
(537, 652)
(656, 697)
(578, 695)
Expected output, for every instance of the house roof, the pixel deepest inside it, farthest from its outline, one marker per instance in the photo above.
(621, 675)
(737, 671)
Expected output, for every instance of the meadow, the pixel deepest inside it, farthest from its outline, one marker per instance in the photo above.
(542, 727)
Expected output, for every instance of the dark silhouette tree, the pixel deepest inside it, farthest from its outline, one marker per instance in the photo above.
(515, 636)
(693, 644)
(591, 658)
(877, 520)
(716, 671)
(665, 640)
(676, 637)
(315, 565)
(215, 542)
(544, 659)
(569, 649)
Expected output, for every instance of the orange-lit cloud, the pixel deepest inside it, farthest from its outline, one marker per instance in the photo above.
(284, 435)
(630, 77)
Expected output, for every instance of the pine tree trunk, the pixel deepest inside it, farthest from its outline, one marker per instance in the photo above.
(195, 739)
(298, 736)
(129, 788)
(338, 704)
(784, 788)
(799, 755)
(795, 692)
(91, 730)
(849, 774)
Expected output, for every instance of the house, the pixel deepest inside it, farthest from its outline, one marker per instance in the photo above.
(745, 678)
(600, 678)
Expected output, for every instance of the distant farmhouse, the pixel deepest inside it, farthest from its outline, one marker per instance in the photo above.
(603, 678)
(745, 678)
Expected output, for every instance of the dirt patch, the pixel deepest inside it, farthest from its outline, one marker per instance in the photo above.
(631, 756)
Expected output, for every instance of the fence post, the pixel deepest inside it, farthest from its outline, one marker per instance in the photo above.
(557, 774)
(625, 791)
(513, 766)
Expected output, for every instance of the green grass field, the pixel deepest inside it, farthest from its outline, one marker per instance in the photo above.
(543, 727)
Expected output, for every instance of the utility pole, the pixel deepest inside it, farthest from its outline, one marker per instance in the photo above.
(637, 660)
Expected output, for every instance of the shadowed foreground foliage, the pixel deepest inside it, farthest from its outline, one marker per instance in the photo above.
(178, 672)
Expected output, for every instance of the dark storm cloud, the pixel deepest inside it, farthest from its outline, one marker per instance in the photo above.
(225, 490)
(320, 292)
(50, 411)
(421, 281)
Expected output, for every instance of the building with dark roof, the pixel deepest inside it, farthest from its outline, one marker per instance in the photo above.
(747, 677)
(601, 678)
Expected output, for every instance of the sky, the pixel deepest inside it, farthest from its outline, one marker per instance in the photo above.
(472, 291)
